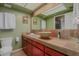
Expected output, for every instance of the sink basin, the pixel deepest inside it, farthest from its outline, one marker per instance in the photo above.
(34, 35)
(45, 35)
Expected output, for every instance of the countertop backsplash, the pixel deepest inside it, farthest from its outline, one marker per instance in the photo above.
(65, 34)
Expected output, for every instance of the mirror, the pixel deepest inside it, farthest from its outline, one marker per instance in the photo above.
(59, 22)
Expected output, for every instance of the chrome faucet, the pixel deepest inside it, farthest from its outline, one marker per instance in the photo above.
(59, 35)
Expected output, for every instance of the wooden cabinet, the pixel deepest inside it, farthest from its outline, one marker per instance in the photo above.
(38, 49)
(34, 48)
(24, 45)
(29, 49)
(46, 54)
(52, 52)
(38, 45)
(37, 52)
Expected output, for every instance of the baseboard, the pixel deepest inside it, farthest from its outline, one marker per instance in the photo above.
(14, 51)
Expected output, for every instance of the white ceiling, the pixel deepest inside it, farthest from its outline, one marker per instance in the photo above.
(30, 6)
(34, 6)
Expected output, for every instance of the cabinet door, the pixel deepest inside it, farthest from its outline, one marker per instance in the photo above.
(23, 43)
(29, 49)
(52, 52)
(38, 45)
(37, 52)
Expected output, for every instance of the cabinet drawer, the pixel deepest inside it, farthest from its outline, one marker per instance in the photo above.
(23, 43)
(38, 45)
(52, 52)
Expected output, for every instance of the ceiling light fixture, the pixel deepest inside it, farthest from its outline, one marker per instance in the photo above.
(55, 9)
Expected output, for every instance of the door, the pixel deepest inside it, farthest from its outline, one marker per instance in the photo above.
(52, 52)
(37, 51)
(29, 49)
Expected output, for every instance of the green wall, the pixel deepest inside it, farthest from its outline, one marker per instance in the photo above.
(50, 23)
(20, 27)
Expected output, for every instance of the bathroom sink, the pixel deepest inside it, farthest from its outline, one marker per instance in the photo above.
(45, 35)
(34, 35)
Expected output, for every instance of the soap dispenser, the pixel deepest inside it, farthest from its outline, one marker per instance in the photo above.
(17, 39)
(59, 35)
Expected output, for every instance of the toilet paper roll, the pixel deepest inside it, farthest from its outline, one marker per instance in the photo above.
(17, 39)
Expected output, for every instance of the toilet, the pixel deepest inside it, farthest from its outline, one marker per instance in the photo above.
(6, 44)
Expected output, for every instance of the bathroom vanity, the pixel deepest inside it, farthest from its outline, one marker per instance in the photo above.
(34, 46)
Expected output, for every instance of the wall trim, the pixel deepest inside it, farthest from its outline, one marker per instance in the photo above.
(14, 51)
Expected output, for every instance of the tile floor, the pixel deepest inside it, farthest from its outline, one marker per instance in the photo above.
(19, 53)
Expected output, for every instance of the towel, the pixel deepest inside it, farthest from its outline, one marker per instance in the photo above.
(10, 22)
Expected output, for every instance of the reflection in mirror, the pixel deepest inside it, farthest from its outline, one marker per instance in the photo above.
(59, 22)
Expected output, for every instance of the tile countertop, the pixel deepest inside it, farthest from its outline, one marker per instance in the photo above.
(66, 46)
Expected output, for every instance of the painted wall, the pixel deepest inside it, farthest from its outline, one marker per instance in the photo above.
(20, 27)
(50, 23)
(68, 21)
